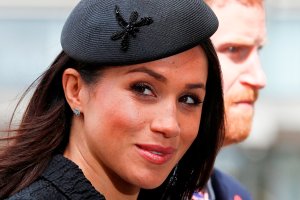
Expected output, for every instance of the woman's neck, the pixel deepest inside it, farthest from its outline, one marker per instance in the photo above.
(103, 179)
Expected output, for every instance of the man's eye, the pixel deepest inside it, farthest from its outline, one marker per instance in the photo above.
(233, 49)
(237, 53)
(190, 100)
(142, 89)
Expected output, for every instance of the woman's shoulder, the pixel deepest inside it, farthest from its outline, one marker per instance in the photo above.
(38, 190)
(61, 180)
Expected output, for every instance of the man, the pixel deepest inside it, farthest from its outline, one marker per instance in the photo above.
(240, 36)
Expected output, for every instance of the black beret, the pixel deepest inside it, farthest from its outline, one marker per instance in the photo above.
(119, 32)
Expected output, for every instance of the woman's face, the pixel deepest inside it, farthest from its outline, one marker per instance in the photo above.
(139, 120)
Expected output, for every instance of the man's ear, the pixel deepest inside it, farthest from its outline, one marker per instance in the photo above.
(73, 86)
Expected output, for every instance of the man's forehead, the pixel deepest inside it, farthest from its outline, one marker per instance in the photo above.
(221, 3)
(241, 25)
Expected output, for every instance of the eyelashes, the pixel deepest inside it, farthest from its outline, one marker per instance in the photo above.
(191, 99)
(147, 91)
(142, 89)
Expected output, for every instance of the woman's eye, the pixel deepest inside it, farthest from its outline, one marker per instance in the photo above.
(142, 89)
(190, 100)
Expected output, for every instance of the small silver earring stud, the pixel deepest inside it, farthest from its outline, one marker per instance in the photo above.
(76, 111)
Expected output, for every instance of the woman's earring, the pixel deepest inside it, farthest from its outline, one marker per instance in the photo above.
(76, 111)
(173, 178)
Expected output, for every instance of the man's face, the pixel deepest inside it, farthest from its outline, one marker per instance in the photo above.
(238, 40)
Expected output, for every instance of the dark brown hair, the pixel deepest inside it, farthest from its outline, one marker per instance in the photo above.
(45, 126)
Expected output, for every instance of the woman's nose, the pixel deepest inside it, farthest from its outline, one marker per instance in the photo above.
(165, 121)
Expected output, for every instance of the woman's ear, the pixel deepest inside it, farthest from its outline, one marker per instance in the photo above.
(73, 86)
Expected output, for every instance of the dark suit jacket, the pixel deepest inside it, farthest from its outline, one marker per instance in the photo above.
(226, 187)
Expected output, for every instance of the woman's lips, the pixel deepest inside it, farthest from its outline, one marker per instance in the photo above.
(156, 154)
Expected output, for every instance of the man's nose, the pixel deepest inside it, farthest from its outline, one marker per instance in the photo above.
(254, 75)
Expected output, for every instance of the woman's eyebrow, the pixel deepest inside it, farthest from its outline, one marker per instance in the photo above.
(163, 78)
(150, 72)
(195, 86)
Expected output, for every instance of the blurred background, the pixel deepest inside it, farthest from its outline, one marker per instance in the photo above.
(268, 162)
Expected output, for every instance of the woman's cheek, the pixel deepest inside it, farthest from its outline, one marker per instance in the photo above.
(191, 128)
(128, 117)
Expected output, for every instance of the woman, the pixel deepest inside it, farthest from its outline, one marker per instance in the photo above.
(132, 106)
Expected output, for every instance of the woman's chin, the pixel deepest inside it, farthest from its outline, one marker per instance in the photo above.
(151, 186)
(151, 183)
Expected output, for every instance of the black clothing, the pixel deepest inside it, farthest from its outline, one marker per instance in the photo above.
(62, 180)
